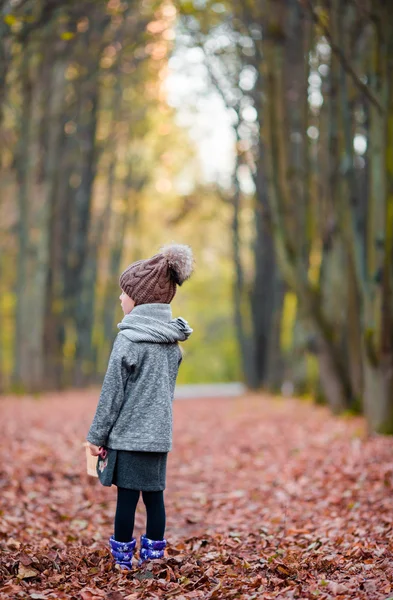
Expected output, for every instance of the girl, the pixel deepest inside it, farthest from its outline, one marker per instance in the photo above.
(132, 428)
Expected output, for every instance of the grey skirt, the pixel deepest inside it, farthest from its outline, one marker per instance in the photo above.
(144, 471)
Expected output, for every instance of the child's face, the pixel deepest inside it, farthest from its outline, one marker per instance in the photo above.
(127, 303)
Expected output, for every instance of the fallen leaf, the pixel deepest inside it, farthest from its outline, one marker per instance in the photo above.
(282, 533)
(26, 572)
(79, 524)
(337, 588)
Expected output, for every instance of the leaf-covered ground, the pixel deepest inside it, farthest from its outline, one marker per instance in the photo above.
(265, 498)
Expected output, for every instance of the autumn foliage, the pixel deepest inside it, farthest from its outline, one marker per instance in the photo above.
(266, 498)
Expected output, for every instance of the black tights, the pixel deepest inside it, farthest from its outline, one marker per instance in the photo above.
(127, 501)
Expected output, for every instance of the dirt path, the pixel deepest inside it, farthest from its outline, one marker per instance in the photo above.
(266, 498)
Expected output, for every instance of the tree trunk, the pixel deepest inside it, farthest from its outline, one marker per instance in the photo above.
(276, 360)
(88, 156)
(378, 291)
(378, 395)
(130, 215)
(4, 65)
(351, 204)
(22, 374)
(245, 341)
(47, 334)
(267, 297)
(294, 270)
(4, 61)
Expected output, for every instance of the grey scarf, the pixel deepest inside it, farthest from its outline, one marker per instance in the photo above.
(154, 323)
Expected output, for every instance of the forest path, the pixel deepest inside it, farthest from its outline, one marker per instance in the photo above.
(266, 498)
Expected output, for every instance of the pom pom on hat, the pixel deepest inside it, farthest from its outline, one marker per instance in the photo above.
(180, 260)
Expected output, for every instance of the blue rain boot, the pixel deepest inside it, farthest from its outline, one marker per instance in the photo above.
(122, 552)
(150, 549)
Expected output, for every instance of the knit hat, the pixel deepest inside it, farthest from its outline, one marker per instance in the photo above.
(154, 280)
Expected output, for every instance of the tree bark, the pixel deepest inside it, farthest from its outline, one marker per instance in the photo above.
(246, 346)
(293, 267)
(88, 156)
(267, 296)
(47, 330)
(378, 301)
(22, 375)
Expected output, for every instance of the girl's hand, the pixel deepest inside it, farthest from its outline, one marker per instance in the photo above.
(94, 450)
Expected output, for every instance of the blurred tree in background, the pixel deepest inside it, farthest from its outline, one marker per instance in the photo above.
(310, 86)
(89, 153)
(297, 297)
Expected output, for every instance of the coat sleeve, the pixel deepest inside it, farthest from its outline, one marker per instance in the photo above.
(121, 362)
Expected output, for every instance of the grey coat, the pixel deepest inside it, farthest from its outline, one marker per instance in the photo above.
(134, 410)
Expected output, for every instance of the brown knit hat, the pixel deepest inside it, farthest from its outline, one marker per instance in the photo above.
(154, 280)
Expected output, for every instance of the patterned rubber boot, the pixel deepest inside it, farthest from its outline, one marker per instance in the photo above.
(122, 552)
(150, 549)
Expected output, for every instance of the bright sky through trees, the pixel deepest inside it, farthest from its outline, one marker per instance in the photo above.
(201, 110)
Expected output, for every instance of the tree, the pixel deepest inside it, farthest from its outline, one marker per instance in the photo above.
(321, 92)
